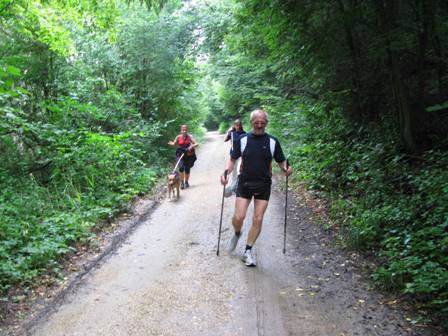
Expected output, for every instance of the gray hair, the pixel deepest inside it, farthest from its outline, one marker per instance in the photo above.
(253, 113)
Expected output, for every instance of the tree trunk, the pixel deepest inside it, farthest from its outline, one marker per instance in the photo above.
(422, 23)
(354, 54)
(437, 46)
(387, 11)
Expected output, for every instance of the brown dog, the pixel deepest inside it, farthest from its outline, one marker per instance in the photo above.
(173, 184)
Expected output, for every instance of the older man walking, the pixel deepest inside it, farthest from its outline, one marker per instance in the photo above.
(256, 149)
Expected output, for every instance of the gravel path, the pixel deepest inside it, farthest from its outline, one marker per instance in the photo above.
(165, 279)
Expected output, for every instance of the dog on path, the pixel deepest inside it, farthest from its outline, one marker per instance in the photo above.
(173, 184)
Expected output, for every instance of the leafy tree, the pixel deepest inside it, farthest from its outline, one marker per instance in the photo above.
(357, 92)
(88, 92)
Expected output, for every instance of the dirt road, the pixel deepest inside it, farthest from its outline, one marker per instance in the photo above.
(166, 279)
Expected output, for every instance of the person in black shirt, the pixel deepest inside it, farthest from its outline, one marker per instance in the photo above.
(256, 149)
(233, 134)
(235, 131)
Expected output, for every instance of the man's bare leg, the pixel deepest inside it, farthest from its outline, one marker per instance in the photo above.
(260, 207)
(241, 205)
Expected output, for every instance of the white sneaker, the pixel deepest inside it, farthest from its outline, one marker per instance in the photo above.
(231, 244)
(249, 259)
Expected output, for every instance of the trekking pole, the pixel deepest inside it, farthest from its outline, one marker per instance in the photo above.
(222, 209)
(286, 210)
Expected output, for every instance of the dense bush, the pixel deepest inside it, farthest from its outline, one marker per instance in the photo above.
(92, 177)
(383, 201)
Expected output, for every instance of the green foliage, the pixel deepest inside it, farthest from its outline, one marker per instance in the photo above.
(87, 103)
(90, 91)
(81, 177)
(223, 127)
(47, 22)
(383, 201)
(39, 224)
(357, 94)
(157, 5)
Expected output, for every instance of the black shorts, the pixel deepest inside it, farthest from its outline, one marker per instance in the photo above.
(187, 161)
(184, 167)
(257, 190)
